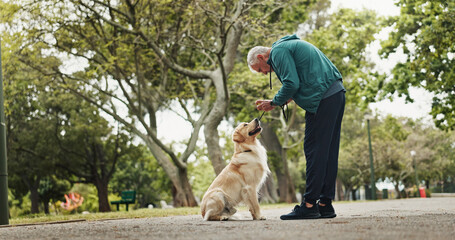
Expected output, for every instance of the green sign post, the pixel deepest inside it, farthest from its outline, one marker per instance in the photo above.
(4, 215)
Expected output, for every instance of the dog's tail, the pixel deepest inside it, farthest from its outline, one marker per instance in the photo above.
(212, 208)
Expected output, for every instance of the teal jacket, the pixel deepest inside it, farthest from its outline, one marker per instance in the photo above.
(305, 72)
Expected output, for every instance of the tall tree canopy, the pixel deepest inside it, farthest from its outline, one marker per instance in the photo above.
(424, 30)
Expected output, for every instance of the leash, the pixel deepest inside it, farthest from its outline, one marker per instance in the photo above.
(261, 116)
(285, 113)
(270, 74)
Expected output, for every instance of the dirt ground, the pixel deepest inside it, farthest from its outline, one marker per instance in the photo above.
(430, 218)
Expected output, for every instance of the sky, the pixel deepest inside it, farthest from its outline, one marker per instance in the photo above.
(382, 7)
(177, 129)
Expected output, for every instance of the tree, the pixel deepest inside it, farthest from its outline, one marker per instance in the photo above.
(353, 162)
(424, 30)
(393, 160)
(89, 149)
(52, 190)
(141, 172)
(344, 38)
(49, 127)
(435, 149)
(31, 151)
(141, 87)
(30, 160)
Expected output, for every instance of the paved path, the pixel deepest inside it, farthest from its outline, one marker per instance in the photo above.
(431, 218)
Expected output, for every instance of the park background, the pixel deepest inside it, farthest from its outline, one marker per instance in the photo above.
(106, 96)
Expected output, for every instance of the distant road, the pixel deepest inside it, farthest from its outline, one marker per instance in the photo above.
(431, 218)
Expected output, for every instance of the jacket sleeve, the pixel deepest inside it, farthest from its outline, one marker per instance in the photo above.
(284, 63)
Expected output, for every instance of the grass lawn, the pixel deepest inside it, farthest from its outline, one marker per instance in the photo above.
(139, 213)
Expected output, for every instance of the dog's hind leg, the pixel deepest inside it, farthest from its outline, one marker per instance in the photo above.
(229, 208)
(214, 208)
(227, 213)
(211, 216)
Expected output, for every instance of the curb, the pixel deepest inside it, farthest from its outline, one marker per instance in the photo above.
(43, 223)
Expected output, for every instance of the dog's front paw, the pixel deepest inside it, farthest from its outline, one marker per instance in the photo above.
(259, 218)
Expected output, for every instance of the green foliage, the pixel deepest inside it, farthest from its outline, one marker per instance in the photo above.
(202, 174)
(393, 129)
(245, 88)
(30, 143)
(297, 171)
(140, 171)
(52, 190)
(270, 20)
(435, 152)
(18, 205)
(353, 163)
(392, 159)
(49, 128)
(424, 30)
(344, 41)
(288, 18)
(392, 141)
(8, 10)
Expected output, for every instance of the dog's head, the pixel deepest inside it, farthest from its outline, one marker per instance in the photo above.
(247, 132)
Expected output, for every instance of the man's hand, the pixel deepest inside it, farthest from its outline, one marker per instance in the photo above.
(264, 105)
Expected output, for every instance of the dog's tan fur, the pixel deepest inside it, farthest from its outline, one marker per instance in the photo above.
(241, 179)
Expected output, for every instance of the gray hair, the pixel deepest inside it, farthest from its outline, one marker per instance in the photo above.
(253, 55)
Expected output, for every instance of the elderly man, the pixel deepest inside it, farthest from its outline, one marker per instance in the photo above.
(313, 82)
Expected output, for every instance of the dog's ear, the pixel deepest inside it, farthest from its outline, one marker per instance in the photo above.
(237, 137)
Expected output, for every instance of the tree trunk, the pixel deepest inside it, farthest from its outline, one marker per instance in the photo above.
(33, 185)
(184, 196)
(290, 193)
(34, 197)
(347, 191)
(103, 201)
(211, 128)
(181, 192)
(397, 190)
(46, 206)
(219, 78)
(267, 193)
(213, 120)
(339, 189)
(271, 142)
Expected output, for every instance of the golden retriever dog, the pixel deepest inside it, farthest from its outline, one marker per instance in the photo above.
(241, 179)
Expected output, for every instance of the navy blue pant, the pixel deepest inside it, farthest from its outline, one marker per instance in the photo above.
(321, 146)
